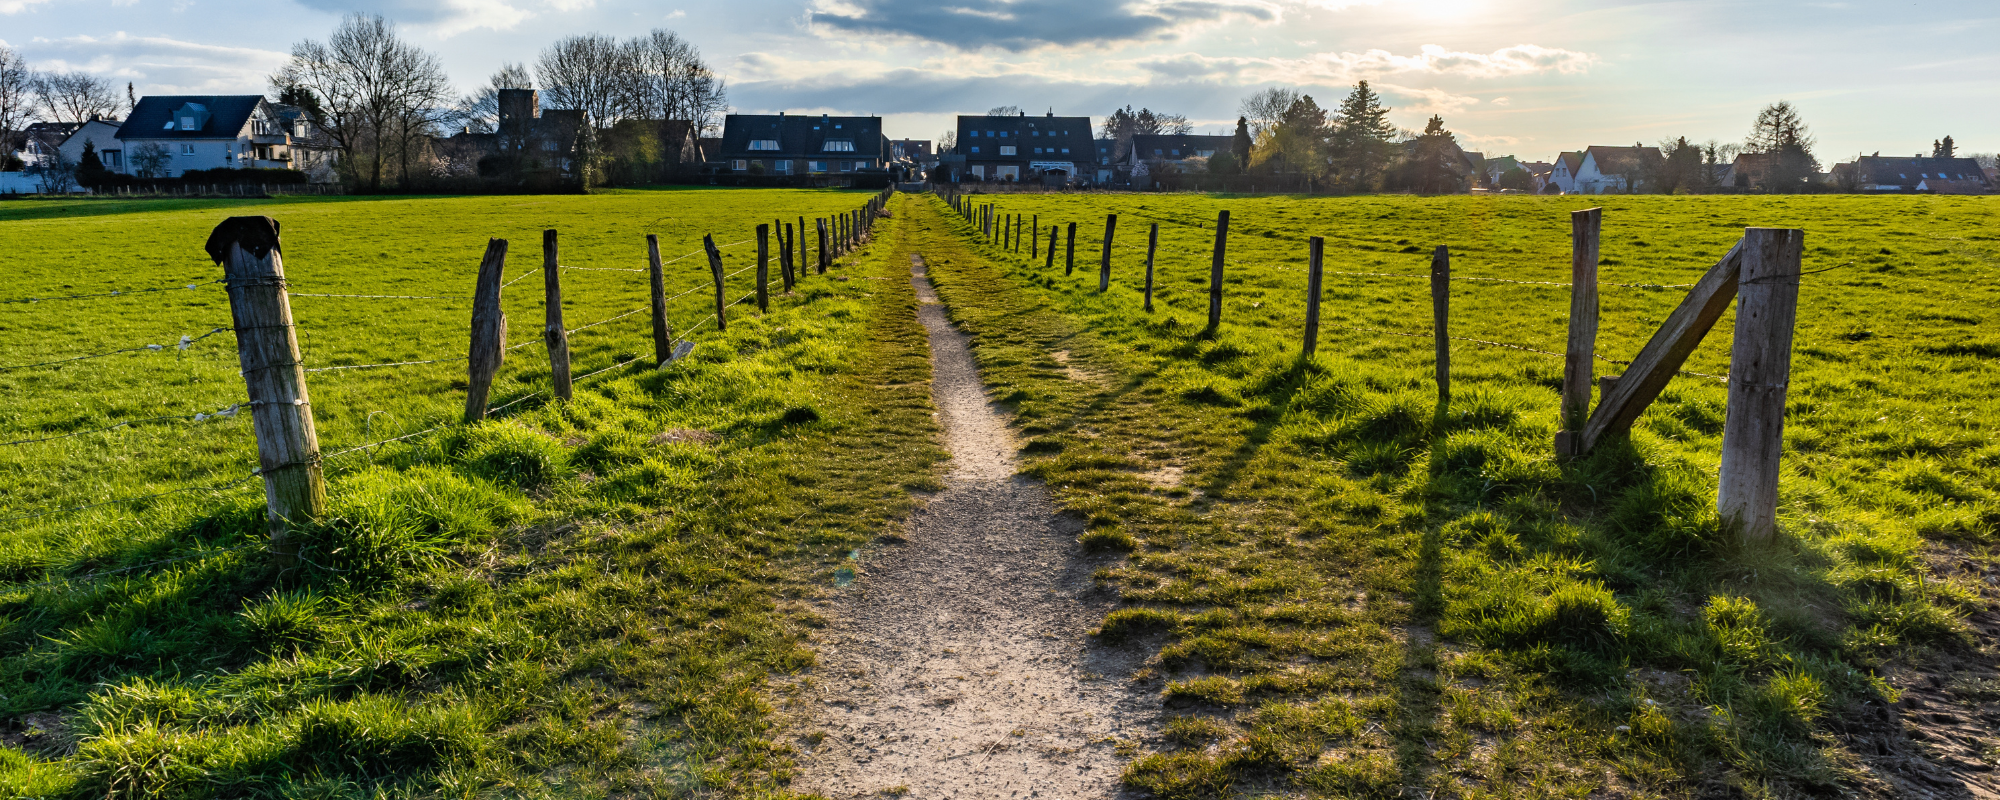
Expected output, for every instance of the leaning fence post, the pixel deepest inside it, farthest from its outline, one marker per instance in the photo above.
(489, 330)
(1017, 233)
(1316, 249)
(1760, 369)
(1584, 229)
(1152, 246)
(715, 271)
(1104, 255)
(663, 331)
(267, 348)
(1050, 264)
(1215, 271)
(1069, 251)
(553, 332)
(763, 268)
(1441, 320)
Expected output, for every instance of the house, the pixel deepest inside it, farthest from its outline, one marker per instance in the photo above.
(1020, 148)
(777, 144)
(917, 151)
(100, 132)
(1563, 172)
(529, 143)
(1540, 172)
(1615, 169)
(1493, 168)
(208, 132)
(41, 143)
(1918, 174)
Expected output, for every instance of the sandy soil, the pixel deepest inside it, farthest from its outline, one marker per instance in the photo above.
(958, 665)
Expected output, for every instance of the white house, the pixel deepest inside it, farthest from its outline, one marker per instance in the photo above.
(207, 132)
(101, 132)
(1619, 169)
(1563, 173)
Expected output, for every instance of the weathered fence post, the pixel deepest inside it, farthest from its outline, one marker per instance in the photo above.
(785, 256)
(1069, 251)
(656, 279)
(823, 256)
(1104, 255)
(1035, 238)
(267, 348)
(1760, 371)
(1316, 249)
(715, 271)
(1017, 233)
(1441, 320)
(1152, 245)
(1584, 229)
(1215, 271)
(489, 330)
(763, 268)
(801, 237)
(1051, 258)
(553, 333)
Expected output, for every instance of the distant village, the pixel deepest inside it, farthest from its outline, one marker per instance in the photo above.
(647, 111)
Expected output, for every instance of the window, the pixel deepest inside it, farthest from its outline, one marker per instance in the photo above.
(1038, 151)
(836, 126)
(989, 134)
(188, 123)
(167, 127)
(816, 166)
(846, 166)
(838, 146)
(972, 134)
(1156, 151)
(1034, 133)
(1006, 149)
(1065, 151)
(741, 165)
(975, 148)
(763, 144)
(1177, 151)
(187, 149)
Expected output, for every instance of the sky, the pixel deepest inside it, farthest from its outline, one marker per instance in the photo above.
(1529, 78)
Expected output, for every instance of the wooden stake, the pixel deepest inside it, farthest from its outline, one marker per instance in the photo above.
(1215, 271)
(1152, 245)
(1760, 371)
(1069, 251)
(1035, 238)
(763, 268)
(553, 333)
(1441, 320)
(785, 255)
(1051, 263)
(1104, 254)
(267, 348)
(802, 248)
(715, 271)
(656, 278)
(489, 330)
(1315, 250)
(1663, 355)
(823, 257)
(1585, 227)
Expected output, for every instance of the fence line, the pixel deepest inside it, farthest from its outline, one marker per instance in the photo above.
(185, 342)
(113, 293)
(380, 296)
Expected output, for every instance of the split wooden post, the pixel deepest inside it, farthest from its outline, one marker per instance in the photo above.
(823, 257)
(785, 256)
(656, 279)
(1152, 246)
(1585, 227)
(763, 268)
(489, 330)
(553, 333)
(1663, 355)
(715, 271)
(1315, 251)
(1104, 254)
(1441, 320)
(1051, 258)
(1760, 371)
(267, 348)
(1069, 251)
(1215, 271)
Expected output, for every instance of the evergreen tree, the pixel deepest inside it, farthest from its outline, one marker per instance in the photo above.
(1945, 148)
(90, 169)
(1239, 145)
(1299, 139)
(1435, 159)
(1359, 141)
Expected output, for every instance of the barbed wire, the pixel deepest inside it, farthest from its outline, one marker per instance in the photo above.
(1512, 346)
(115, 293)
(197, 417)
(391, 364)
(604, 269)
(185, 342)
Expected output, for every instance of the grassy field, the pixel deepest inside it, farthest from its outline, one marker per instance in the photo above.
(1350, 595)
(578, 599)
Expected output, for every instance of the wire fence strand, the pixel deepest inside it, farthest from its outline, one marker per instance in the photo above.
(116, 293)
(184, 343)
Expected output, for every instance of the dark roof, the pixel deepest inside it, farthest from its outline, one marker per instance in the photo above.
(1187, 144)
(1945, 175)
(1025, 133)
(1623, 160)
(801, 136)
(227, 115)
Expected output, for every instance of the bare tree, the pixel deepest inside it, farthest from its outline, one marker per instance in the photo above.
(378, 92)
(947, 142)
(76, 96)
(1782, 137)
(16, 103)
(1004, 111)
(480, 111)
(590, 73)
(1267, 108)
(669, 81)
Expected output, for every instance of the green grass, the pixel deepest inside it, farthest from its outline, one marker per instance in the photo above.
(579, 599)
(1501, 623)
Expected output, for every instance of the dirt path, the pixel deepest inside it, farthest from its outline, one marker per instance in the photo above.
(958, 666)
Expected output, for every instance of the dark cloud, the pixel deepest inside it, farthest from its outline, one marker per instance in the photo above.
(920, 91)
(1027, 24)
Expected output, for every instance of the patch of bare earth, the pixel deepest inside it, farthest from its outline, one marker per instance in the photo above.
(957, 664)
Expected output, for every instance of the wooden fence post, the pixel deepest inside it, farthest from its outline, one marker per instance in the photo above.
(1017, 233)
(1585, 227)
(1104, 254)
(785, 256)
(1051, 262)
(1665, 352)
(1152, 245)
(1315, 250)
(763, 268)
(1760, 370)
(1035, 238)
(1441, 320)
(715, 271)
(553, 333)
(802, 248)
(1069, 251)
(656, 278)
(1215, 271)
(823, 234)
(267, 348)
(489, 330)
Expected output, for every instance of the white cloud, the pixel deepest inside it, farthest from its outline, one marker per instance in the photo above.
(18, 6)
(1345, 67)
(159, 65)
(1427, 101)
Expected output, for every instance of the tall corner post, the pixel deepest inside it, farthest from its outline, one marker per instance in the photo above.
(489, 330)
(1441, 321)
(656, 279)
(1760, 372)
(1585, 227)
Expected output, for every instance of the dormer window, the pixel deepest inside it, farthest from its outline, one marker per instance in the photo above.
(763, 144)
(838, 146)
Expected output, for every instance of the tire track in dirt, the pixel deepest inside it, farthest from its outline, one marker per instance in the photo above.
(958, 666)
